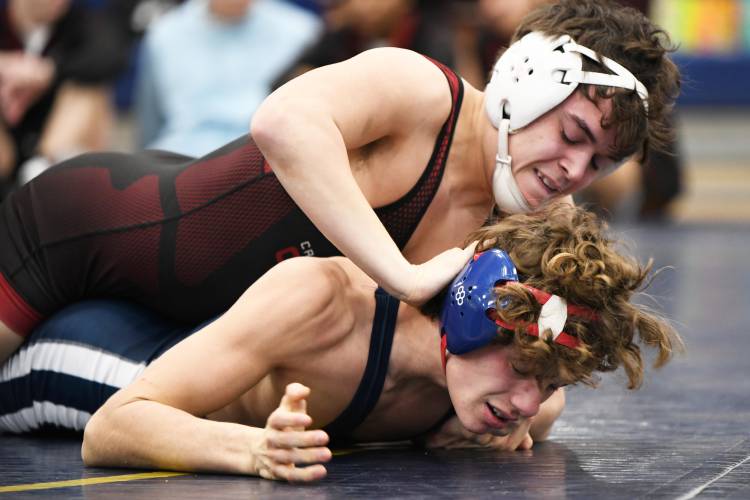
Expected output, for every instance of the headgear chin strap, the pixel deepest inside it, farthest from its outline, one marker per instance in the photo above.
(533, 76)
(468, 320)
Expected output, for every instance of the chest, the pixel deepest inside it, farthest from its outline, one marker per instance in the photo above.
(333, 376)
(389, 169)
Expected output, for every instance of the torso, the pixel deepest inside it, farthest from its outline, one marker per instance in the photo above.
(410, 402)
(187, 237)
(458, 206)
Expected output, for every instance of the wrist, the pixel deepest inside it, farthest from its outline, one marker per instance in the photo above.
(404, 280)
(249, 451)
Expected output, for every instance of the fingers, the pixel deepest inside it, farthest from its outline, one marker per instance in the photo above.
(295, 474)
(295, 456)
(455, 259)
(470, 250)
(297, 439)
(287, 444)
(295, 398)
(527, 443)
(453, 434)
(432, 276)
(283, 420)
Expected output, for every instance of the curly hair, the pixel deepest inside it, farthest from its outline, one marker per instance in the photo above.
(631, 39)
(566, 251)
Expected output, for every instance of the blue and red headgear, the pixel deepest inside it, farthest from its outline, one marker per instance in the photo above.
(467, 320)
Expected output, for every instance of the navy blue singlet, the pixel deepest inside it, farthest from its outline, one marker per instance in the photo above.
(67, 369)
(371, 385)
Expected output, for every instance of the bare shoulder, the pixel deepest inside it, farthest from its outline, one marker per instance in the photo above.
(322, 280)
(305, 303)
(376, 93)
(417, 80)
(407, 66)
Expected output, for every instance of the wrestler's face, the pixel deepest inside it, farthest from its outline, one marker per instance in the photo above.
(491, 393)
(562, 151)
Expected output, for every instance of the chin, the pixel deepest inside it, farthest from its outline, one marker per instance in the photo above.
(471, 422)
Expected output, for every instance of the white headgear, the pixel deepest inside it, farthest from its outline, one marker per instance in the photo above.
(533, 76)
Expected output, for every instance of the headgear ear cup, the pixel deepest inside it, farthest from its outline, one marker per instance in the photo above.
(527, 82)
(463, 320)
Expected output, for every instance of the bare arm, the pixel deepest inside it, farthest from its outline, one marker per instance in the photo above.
(157, 421)
(550, 410)
(305, 129)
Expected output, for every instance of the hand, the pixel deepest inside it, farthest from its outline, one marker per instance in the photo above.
(23, 79)
(285, 442)
(452, 434)
(429, 278)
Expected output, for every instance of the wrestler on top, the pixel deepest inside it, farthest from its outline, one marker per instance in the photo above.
(388, 158)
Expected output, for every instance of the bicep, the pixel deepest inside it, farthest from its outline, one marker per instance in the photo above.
(203, 373)
(378, 93)
(229, 356)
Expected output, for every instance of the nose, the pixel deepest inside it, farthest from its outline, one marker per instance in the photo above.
(526, 398)
(574, 169)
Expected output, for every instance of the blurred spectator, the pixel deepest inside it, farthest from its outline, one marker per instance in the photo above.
(353, 26)
(208, 64)
(652, 186)
(500, 18)
(57, 60)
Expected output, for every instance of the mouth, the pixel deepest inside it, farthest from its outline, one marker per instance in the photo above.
(549, 185)
(498, 419)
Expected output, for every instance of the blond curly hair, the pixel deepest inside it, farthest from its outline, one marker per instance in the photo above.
(568, 251)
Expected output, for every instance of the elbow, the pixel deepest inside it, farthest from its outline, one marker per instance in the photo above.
(284, 123)
(88, 447)
(93, 438)
(270, 124)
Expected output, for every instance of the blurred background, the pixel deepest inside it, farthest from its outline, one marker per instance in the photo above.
(186, 76)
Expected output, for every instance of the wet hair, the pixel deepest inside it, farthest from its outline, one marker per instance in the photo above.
(569, 252)
(631, 39)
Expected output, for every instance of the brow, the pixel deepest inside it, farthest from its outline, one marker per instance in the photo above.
(586, 130)
(584, 126)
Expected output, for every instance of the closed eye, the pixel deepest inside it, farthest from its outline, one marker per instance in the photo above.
(568, 140)
(518, 371)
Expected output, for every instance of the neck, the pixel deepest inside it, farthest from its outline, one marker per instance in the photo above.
(416, 348)
(483, 142)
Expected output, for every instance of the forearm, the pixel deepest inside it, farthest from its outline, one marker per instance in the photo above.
(310, 160)
(541, 424)
(146, 434)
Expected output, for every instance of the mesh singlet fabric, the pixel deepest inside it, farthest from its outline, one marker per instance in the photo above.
(182, 236)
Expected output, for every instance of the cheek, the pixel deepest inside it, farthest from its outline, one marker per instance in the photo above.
(534, 146)
(462, 381)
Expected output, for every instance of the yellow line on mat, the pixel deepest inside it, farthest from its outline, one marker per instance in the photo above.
(88, 481)
(124, 477)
